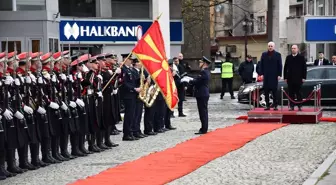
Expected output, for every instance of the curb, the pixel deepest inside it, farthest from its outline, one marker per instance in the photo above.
(314, 178)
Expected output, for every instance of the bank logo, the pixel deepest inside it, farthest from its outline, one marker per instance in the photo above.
(71, 31)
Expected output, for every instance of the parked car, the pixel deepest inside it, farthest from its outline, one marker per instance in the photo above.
(325, 75)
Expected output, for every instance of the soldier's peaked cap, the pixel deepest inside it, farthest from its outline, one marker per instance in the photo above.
(46, 58)
(206, 60)
(110, 55)
(10, 56)
(22, 57)
(36, 55)
(2, 56)
(132, 57)
(58, 55)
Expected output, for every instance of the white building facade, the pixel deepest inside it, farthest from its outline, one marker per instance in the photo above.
(92, 26)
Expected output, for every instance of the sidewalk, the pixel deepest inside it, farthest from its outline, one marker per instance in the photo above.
(325, 174)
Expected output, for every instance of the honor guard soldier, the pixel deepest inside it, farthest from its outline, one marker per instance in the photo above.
(29, 134)
(80, 96)
(109, 116)
(201, 91)
(167, 117)
(36, 102)
(51, 131)
(113, 66)
(129, 94)
(61, 60)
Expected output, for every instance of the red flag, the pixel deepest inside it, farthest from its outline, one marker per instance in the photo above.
(151, 52)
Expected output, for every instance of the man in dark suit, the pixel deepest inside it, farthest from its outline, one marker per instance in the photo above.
(295, 73)
(333, 60)
(202, 93)
(271, 72)
(321, 61)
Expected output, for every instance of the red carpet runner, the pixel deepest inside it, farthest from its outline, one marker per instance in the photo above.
(323, 119)
(173, 163)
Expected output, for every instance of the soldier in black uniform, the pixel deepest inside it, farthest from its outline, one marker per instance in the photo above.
(129, 94)
(202, 93)
(167, 117)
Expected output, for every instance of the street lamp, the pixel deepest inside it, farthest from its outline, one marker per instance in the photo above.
(246, 24)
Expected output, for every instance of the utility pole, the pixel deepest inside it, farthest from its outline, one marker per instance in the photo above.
(246, 25)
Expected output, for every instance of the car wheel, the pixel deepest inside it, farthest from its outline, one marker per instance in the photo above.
(262, 99)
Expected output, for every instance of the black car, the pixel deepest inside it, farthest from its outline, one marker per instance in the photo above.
(325, 75)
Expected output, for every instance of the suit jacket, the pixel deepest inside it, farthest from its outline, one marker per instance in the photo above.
(295, 69)
(271, 68)
(129, 83)
(201, 88)
(325, 62)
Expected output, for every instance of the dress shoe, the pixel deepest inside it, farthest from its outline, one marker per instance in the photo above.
(114, 132)
(171, 128)
(128, 138)
(300, 108)
(200, 133)
(182, 115)
(275, 108)
(144, 135)
(291, 109)
(172, 116)
(135, 138)
(267, 108)
(221, 97)
(150, 133)
(165, 129)
(94, 149)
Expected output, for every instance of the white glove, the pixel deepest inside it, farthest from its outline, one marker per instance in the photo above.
(40, 80)
(64, 107)
(41, 110)
(118, 71)
(9, 95)
(22, 79)
(63, 77)
(80, 103)
(70, 78)
(53, 78)
(33, 78)
(115, 91)
(8, 114)
(110, 71)
(72, 104)
(85, 69)
(47, 76)
(28, 80)
(17, 82)
(9, 80)
(79, 75)
(54, 105)
(28, 110)
(100, 94)
(18, 115)
(100, 77)
(0, 83)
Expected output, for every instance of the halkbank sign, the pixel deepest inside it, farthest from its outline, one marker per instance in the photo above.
(111, 30)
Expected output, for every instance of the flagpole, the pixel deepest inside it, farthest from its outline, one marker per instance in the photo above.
(116, 73)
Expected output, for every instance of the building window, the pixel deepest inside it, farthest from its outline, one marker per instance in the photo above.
(24, 5)
(320, 7)
(11, 46)
(36, 46)
(261, 24)
(299, 11)
(53, 45)
(77, 8)
(136, 9)
(228, 33)
(311, 7)
(6, 5)
(252, 26)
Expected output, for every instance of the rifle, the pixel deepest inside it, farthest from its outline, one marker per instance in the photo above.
(5, 87)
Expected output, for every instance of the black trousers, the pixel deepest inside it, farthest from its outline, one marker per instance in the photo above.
(129, 115)
(294, 92)
(202, 105)
(137, 116)
(160, 110)
(274, 93)
(181, 94)
(149, 118)
(228, 82)
(167, 122)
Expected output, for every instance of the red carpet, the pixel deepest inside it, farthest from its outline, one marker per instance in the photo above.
(173, 163)
(323, 119)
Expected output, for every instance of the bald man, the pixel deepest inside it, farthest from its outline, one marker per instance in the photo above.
(295, 73)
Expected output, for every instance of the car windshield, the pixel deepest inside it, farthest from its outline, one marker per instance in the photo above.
(314, 73)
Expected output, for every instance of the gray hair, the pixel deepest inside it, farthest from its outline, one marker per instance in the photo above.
(271, 43)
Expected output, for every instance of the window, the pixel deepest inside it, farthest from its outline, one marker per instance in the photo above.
(138, 9)
(24, 5)
(334, 7)
(228, 33)
(53, 45)
(252, 20)
(299, 11)
(11, 46)
(331, 73)
(330, 7)
(311, 7)
(35, 47)
(261, 24)
(320, 7)
(315, 74)
(6, 5)
(77, 8)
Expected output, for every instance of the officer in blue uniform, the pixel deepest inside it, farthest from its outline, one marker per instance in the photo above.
(129, 94)
(201, 91)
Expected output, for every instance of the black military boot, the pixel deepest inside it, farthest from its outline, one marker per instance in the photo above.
(92, 144)
(55, 147)
(82, 145)
(107, 138)
(74, 140)
(11, 163)
(23, 158)
(35, 157)
(100, 143)
(3, 171)
(46, 152)
(64, 147)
